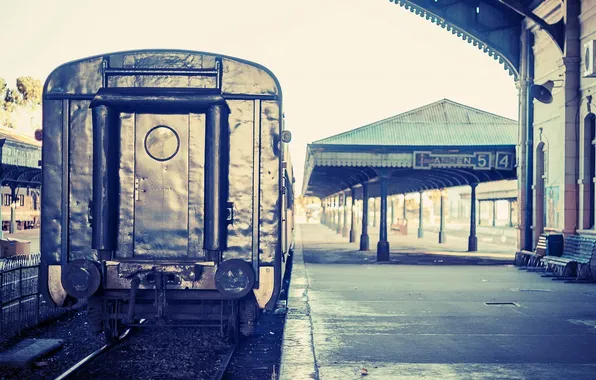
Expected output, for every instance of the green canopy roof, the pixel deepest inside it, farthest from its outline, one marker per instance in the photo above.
(443, 123)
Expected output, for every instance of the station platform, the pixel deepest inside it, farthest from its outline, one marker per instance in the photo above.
(418, 317)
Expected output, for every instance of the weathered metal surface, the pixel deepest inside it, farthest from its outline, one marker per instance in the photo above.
(196, 185)
(105, 177)
(51, 217)
(240, 234)
(270, 206)
(75, 78)
(120, 274)
(161, 171)
(81, 177)
(86, 76)
(216, 176)
(242, 78)
(187, 92)
(127, 186)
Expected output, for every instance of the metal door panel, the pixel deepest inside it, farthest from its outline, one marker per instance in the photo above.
(161, 186)
(196, 183)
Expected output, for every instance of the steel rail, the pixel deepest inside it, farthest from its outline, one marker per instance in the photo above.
(75, 368)
(223, 366)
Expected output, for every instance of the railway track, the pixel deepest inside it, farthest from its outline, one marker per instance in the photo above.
(71, 372)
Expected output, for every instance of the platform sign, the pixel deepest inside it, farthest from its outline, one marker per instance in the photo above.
(505, 161)
(476, 160)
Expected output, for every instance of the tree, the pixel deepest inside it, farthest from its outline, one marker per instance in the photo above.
(30, 89)
(11, 99)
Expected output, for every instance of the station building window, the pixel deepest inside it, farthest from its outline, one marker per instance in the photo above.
(7, 200)
(589, 171)
(21, 200)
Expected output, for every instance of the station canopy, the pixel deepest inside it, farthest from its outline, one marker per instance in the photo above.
(440, 145)
(20, 158)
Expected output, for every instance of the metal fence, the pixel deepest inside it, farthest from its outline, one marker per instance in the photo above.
(22, 306)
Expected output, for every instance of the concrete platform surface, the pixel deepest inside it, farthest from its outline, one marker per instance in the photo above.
(438, 321)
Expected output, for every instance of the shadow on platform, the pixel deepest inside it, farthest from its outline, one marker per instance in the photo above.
(324, 246)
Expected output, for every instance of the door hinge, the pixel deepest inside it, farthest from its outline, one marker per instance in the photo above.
(230, 213)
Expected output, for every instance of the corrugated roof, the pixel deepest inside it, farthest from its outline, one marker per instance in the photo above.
(14, 135)
(443, 123)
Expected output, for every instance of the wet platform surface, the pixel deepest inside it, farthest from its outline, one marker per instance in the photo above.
(420, 318)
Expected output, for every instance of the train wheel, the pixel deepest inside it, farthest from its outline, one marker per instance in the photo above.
(249, 312)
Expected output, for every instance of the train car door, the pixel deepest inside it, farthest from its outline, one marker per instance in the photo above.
(161, 186)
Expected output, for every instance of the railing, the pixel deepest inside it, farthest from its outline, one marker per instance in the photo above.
(21, 304)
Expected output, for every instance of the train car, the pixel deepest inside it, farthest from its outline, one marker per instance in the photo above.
(166, 191)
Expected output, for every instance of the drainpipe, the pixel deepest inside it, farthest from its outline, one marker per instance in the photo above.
(529, 143)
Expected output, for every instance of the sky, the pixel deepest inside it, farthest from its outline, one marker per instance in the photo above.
(341, 63)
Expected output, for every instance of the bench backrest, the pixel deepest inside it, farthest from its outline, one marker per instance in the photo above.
(579, 247)
(541, 245)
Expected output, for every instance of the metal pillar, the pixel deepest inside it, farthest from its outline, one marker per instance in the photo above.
(364, 244)
(344, 230)
(420, 219)
(338, 226)
(510, 214)
(405, 209)
(473, 240)
(353, 217)
(323, 216)
(494, 213)
(374, 219)
(392, 220)
(383, 244)
(335, 205)
(442, 220)
(13, 211)
(332, 213)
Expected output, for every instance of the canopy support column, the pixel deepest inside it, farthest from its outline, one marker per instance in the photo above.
(442, 219)
(344, 230)
(510, 213)
(405, 210)
(353, 216)
(473, 240)
(420, 218)
(364, 244)
(13, 209)
(374, 218)
(392, 220)
(383, 244)
(338, 209)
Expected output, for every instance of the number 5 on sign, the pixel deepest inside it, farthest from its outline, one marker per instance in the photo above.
(504, 161)
(483, 161)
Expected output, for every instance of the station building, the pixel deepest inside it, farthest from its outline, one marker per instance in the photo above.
(549, 48)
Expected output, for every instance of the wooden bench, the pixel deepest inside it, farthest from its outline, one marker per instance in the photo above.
(527, 259)
(577, 260)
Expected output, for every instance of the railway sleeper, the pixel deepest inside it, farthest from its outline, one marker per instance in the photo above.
(113, 315)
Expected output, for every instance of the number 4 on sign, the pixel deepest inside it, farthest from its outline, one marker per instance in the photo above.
(504, 160)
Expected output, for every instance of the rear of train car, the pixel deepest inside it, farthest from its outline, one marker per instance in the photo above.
(165, 187)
